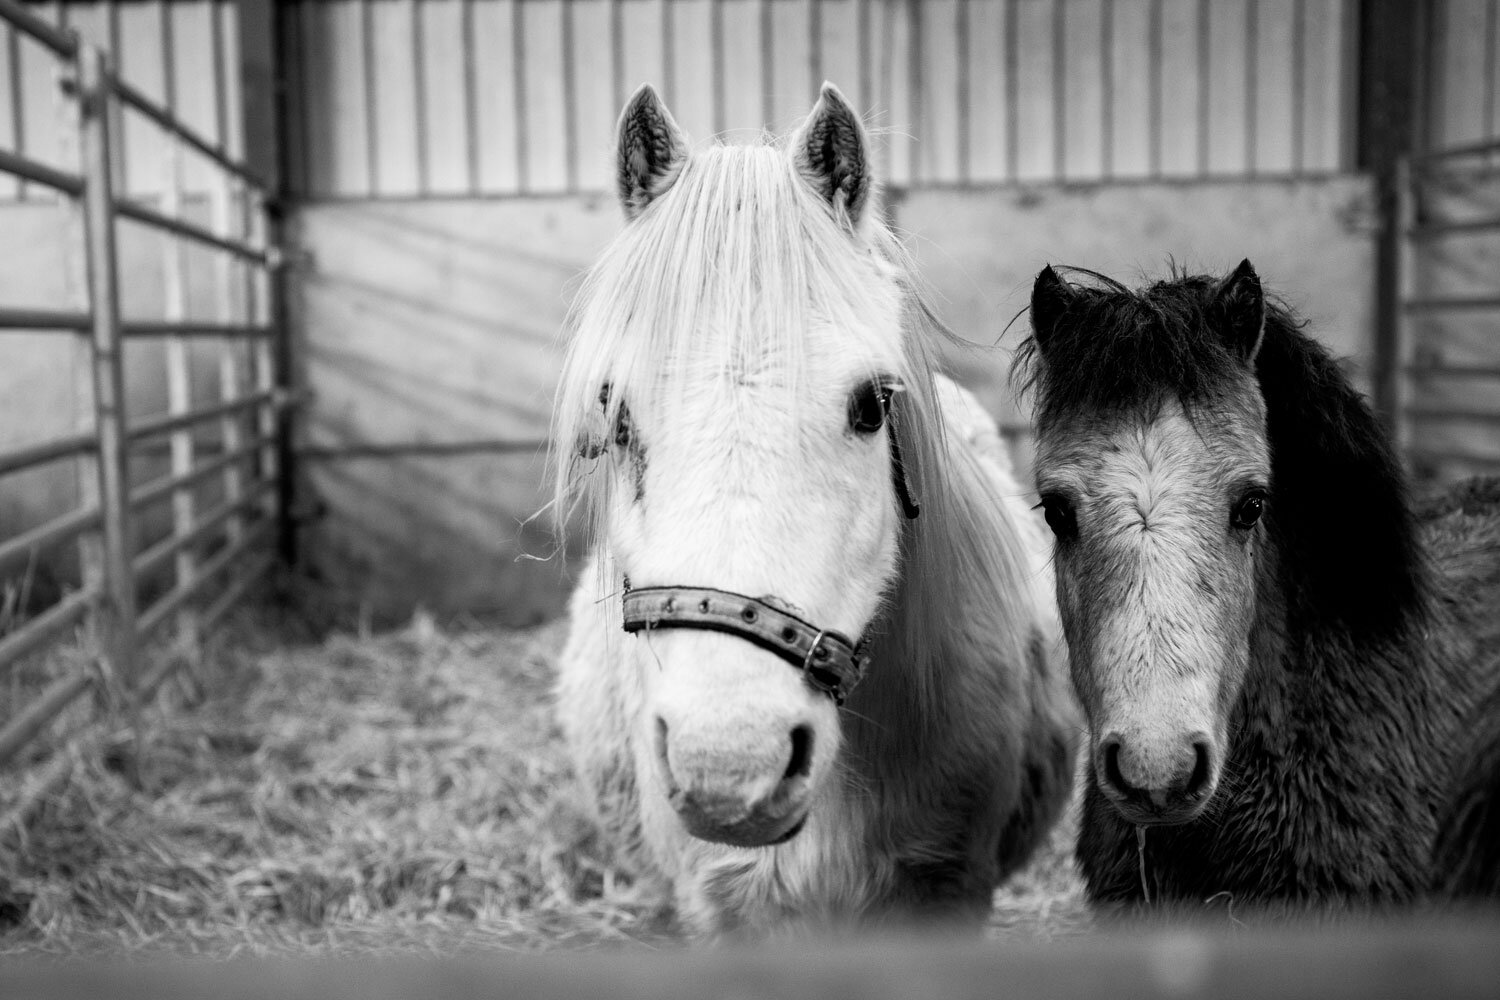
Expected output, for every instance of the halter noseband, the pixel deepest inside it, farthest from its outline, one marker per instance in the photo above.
(830, 663)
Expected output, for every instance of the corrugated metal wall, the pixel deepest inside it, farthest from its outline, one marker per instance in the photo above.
(406, 98)
(183, 53)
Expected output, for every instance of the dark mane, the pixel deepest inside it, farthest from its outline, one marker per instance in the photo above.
(1339, 511)
(1119, 349)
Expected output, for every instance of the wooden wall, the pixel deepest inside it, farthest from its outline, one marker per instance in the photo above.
(430, 337)
(1462, 75)
(432, 344)
(412, 98)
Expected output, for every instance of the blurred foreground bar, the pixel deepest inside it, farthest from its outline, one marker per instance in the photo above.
(1429, 959)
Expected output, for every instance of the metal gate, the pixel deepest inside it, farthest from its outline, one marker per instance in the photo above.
(234, 443)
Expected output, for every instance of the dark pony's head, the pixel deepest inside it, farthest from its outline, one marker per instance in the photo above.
(1195, 450)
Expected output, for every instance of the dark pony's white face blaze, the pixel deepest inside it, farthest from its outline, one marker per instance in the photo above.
(747, 452)
(1156, 511)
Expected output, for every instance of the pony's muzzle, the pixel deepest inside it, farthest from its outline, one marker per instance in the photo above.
(1157, 780)
(754, 794)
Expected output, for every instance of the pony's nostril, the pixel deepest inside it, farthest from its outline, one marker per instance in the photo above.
(1198, 780)
(661, 747)
(1112, 775)
(801, 759)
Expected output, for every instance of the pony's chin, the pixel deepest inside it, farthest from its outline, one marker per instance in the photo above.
(752, 831)
(1150, 814)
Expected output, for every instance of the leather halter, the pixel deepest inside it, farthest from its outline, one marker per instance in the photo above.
(829, 661)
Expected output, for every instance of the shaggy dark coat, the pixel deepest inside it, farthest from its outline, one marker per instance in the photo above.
(1375, 639)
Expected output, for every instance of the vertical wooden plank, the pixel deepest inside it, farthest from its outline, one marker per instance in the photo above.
(282, 59)
(194, 82)
(792, 89)
(641, 45)
(1036, 141)
(593, 87)
(11, 114)
(693, 77)
(343, 138)
(1492, 70)
(1461, 58)
(418, 54)
(939, 113)
(495, 97)
(395, 97)
(1228, 97)
(1274, 77)
(1181, 88)
(314, 96)
(840, 52)
(443, 93)
(741, 71)
(546, 114)
(897, 88)
(1298, 81)
(140, 62)
(39, 99)
(1084, 85)
(1130, 88)
(254, 88)
(1326, 53)
(988, 91)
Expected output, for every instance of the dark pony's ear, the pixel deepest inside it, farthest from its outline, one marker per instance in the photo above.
(830, 153)
(1050, 298)
(652, 151)
(1241, 306)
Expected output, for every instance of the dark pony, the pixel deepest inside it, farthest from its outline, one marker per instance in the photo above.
(1366, 661)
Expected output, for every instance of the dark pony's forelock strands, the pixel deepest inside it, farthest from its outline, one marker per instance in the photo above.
(1121, 350)
(1339, 512)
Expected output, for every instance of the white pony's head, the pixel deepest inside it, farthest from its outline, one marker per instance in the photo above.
(727, 409)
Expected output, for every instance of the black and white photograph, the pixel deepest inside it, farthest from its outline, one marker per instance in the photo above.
(750, 498)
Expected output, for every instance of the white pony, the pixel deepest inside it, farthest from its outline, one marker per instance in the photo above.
(785, 499)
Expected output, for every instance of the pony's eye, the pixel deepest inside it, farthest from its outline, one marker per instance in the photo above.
(620, 435)
(1059, 513)
(1248, 510)
(623, 429)
(868, 407)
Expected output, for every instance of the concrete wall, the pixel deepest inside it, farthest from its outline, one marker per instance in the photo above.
(433, 326)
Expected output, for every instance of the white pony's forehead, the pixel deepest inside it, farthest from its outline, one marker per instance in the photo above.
(738, 272)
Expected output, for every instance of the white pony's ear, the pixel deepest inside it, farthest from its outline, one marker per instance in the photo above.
(1242, 305)
(651, 151)
(830, 152)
